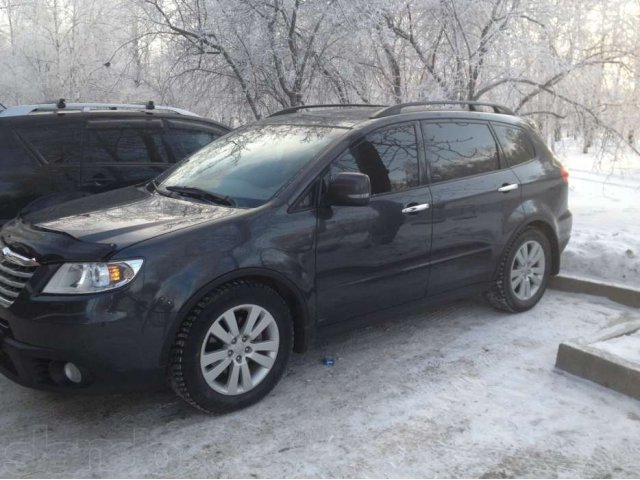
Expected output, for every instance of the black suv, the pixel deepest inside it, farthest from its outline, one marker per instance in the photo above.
(313, 218)
(55, 152)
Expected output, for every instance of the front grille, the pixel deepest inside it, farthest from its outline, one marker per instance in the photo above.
(15, 272)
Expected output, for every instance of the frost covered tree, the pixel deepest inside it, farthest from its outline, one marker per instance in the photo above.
(572, 67)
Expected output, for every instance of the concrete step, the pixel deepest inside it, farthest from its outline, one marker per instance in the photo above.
(596, 358)
(623, 294)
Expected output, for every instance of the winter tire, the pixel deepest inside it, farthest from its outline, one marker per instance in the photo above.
(232, 348)
(523, 273)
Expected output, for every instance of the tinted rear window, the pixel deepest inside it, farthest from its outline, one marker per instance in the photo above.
(56, 145)
(515, 143)
(125, 145)
(457, 149)
(12, 154)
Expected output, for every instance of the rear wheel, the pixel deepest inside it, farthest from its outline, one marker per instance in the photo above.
(233, 348)
(523, 273)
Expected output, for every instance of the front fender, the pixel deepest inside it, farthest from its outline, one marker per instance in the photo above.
(180, 268)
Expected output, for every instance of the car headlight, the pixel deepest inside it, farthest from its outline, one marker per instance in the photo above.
(92, 277)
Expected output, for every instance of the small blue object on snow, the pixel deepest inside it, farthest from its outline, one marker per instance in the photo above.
(328, 361)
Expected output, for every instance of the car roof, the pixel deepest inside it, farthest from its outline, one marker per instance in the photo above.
(25, 113)
(350, 117)
(347, 117)
(62, 105)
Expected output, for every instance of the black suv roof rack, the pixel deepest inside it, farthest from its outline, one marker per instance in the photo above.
(62, 105)
(328, 105)
(397, 109)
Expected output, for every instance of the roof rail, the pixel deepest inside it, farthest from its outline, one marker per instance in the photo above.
(396, 109)
(328, 105)
(61, 105)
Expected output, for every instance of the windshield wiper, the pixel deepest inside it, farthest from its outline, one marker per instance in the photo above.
(202, 194)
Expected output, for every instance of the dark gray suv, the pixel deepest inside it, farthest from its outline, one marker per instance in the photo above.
(316, 217)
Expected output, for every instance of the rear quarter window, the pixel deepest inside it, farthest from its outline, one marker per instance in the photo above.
(516, 144)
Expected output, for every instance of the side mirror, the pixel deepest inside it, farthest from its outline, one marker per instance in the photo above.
(349, 190)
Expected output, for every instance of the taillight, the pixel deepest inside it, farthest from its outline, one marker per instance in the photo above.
(564, 173)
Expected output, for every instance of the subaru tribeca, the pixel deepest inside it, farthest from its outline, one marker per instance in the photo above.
(316, 217)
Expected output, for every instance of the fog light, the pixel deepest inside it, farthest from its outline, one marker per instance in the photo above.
(72, 372)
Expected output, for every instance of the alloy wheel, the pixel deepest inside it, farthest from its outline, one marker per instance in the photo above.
(527, 270)
(239, 349)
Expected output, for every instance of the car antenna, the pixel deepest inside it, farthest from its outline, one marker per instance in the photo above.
(61, 103)
(150, 105)
(2, 106)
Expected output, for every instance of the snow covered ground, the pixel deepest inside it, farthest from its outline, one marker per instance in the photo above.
(624, 346)
(459, 391)
(604, 197)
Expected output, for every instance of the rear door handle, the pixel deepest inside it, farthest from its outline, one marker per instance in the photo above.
(508, 187)
(415, 208)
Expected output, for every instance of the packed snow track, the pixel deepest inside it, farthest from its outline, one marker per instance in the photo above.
(459, 391)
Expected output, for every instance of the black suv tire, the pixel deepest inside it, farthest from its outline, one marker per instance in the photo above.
(185, 371)
(502, 295)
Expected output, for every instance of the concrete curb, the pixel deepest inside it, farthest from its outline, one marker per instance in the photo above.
(618, 293)
(617, 375)
(579, 358)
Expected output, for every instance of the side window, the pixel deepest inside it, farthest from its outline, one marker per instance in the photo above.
(125, 145)
(12, 154)
(389, 156)
(308, 199)
(56, 145)
(515, 143)
(457, 149)
(184, 142)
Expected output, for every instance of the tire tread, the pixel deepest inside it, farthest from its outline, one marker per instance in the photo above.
(175, 371)
(497, 295)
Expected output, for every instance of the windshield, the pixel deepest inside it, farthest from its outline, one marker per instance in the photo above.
(249, 166)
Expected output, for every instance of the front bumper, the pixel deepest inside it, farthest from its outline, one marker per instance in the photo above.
(114, 343)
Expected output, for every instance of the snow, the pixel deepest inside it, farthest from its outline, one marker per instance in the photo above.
(624, 346)
(460, 391)
(604, 197)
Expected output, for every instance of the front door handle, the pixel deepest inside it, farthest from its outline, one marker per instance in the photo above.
(507, 187)
(415, 208)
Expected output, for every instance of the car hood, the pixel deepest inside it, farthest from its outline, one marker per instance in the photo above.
(108, 222)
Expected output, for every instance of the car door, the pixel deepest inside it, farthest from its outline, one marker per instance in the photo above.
(373, 257)
(121, 152)
(476, 203)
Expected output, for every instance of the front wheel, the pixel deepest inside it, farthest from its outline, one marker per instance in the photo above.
(233, 348)
(523, 273)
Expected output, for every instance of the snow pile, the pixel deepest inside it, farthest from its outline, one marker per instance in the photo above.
(604, 197)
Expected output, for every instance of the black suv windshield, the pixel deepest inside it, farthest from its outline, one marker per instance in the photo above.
(250, 165)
